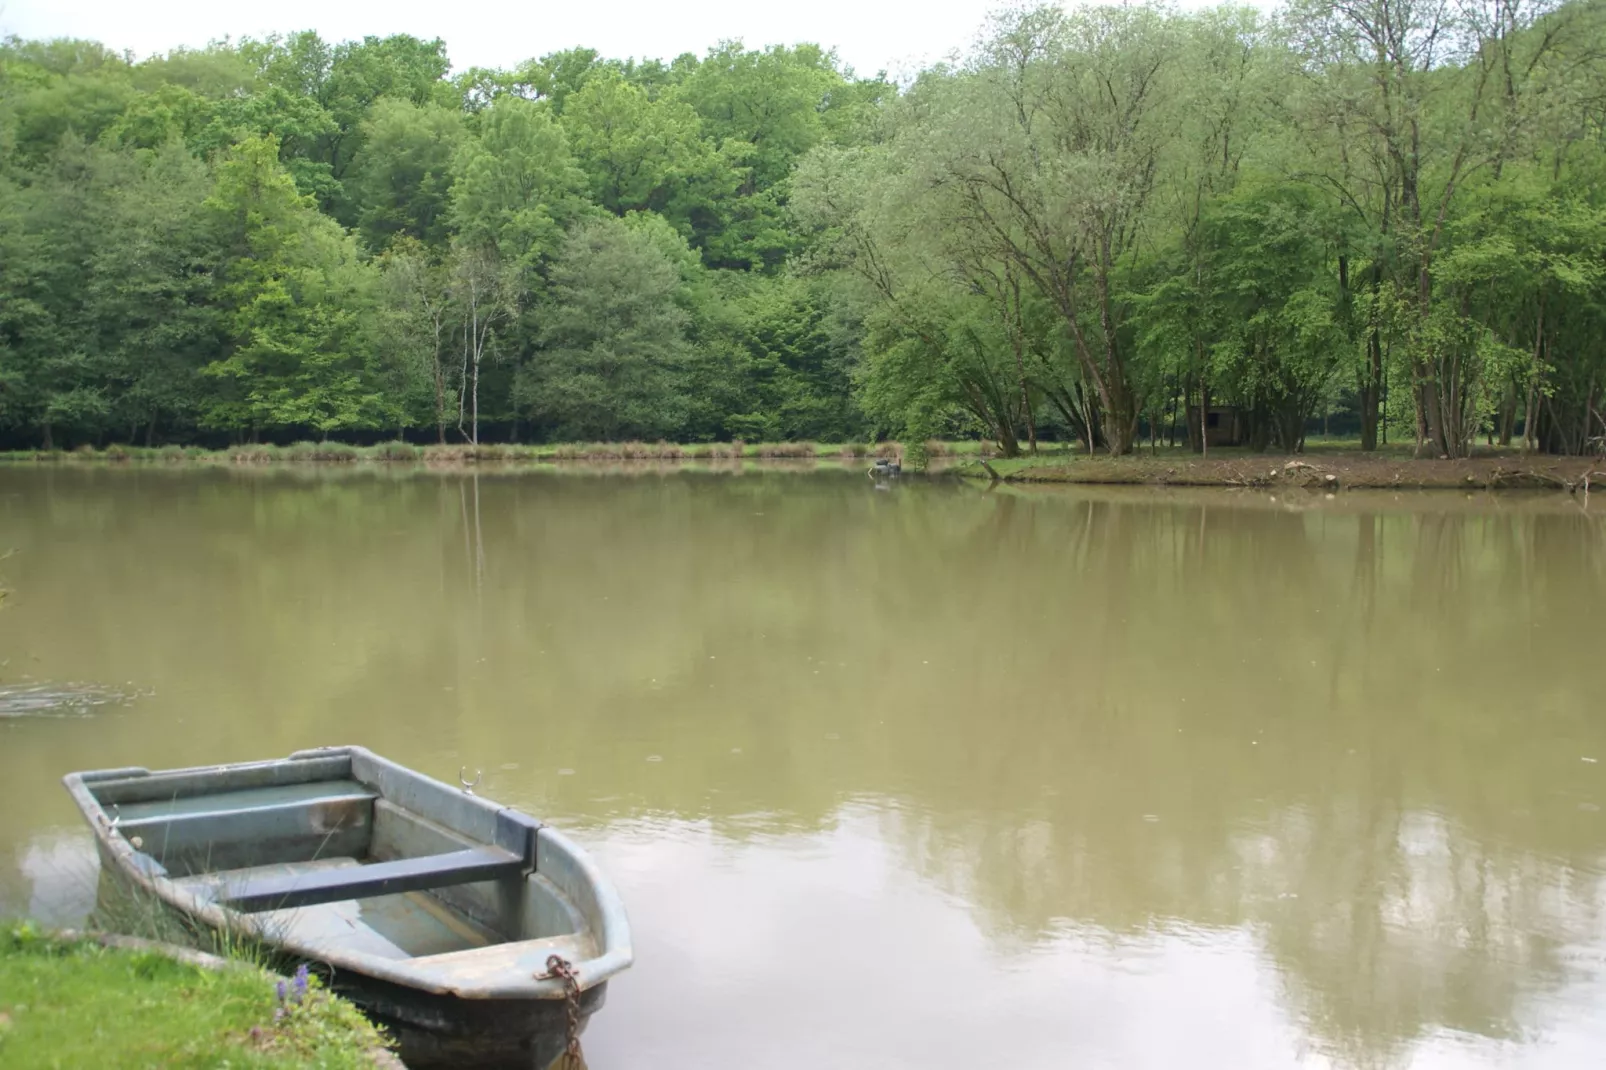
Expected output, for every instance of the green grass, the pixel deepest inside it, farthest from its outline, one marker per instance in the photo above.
(74, 1003)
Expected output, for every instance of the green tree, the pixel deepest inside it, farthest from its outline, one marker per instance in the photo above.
(764, 109)
(418, 325)
(517, 185)
(149, 294)
(613, 339)
(401, 182)
(293, 295)
(646, 155)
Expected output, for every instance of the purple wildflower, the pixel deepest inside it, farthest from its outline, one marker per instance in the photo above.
(301, 982)
(282, 991)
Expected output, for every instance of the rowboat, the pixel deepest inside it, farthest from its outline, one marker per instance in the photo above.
(478, 935)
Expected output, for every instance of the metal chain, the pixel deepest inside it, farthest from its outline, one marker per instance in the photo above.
(559, 967)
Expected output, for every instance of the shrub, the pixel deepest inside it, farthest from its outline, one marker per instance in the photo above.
(485, 451)
(786, 449)
(336, 451)
(395, 451)
(257, 454)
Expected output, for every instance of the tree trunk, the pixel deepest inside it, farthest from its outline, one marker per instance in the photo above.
(1031, 419)
(1372, 375)
(1016, 329)
(440, 388)
(1171, 420)
(1508, 414)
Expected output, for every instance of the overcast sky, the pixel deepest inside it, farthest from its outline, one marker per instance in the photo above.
(895, 35)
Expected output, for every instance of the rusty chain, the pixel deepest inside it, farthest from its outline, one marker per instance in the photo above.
(559, 967)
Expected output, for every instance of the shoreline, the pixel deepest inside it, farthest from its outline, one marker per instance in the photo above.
(1333, 466)
(494, 453)
(1329, 471)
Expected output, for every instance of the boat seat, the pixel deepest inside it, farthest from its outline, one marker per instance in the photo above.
(231, 829)
(209, 805)
(283, 891)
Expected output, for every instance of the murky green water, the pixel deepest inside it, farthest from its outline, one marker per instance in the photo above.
(926, 777)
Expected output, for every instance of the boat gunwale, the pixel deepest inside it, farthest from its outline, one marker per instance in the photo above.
(610, 931)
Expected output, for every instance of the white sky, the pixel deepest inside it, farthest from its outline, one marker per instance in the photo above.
(896, 35)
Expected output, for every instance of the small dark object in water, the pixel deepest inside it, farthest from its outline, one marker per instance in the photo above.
(886, 468)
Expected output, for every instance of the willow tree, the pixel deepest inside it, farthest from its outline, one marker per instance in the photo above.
(934, 342)
(1030, 167)
(1049, 151)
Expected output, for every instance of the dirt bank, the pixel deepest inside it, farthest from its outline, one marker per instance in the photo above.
(1331, 471)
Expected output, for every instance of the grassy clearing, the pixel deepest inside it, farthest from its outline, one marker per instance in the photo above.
(464, 453)
(74, 1003)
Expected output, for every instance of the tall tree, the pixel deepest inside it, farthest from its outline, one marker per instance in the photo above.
(646, 155)
(401, 182)
(612, 341)
(293, 294)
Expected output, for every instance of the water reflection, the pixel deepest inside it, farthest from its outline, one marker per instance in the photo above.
(930, 777)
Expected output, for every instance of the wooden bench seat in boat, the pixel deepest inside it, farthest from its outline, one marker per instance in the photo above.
(284, 891)
(391, 927)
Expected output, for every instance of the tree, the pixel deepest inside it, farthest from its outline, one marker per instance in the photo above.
(646, 155)
(150, 288)
(419, 292)
(1413, 98)
(612, 340)
(293, 295)
(53, 378)
(1044, 153)
(401, 182)
(485, 295)
(517, 186)
(764, 109)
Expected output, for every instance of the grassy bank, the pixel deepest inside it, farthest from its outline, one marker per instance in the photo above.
(70, 1002)
(496, 453)
(1333, 468)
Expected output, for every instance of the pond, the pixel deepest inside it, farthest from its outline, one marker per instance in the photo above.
(924, 776)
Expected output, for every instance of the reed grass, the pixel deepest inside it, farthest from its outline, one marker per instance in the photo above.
(400, 452)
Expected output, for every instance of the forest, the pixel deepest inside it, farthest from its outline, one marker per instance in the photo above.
(1088, 225)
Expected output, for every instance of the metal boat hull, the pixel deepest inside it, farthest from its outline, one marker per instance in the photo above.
(487, 1002)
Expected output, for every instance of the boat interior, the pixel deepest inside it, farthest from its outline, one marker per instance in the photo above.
(345, 850)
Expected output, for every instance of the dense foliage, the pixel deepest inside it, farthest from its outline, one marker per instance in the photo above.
(1096, 224)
